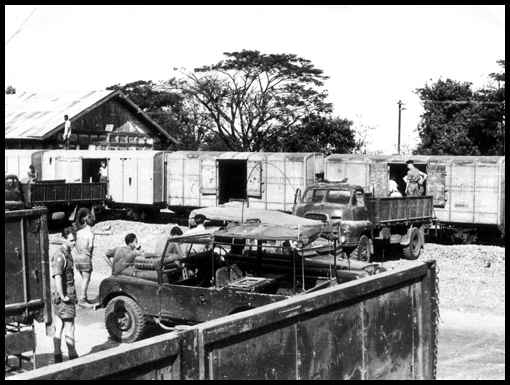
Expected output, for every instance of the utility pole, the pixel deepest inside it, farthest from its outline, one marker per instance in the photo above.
(400, 104)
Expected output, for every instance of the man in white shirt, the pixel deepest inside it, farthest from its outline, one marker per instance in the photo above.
(200, 228)
(67, 131)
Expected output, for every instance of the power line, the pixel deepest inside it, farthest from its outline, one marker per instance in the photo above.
(460, 102)
(21, 26)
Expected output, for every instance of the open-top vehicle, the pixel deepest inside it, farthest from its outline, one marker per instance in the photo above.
(225, 271)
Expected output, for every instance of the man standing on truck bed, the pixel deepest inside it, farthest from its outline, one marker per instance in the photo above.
(64, 296)
(413, 179)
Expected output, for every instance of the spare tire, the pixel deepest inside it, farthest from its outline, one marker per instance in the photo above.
(152, 261)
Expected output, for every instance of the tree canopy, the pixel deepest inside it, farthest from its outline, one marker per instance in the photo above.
(460, 121)
(249, 94)
(314, 134)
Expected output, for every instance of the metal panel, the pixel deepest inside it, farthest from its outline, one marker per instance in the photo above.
(131, 181)
(379, 327)
(486, 193)
(146, 183)
(26, 265)
(254, 185)
(208, 176)
(339, 169)
(68, 168)
(116, 179)
(436, 181)
(379, 176)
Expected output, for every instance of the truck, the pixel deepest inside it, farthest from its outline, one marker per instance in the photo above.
(369, 224)
(225, 271)
(27, 279)
(62, 200)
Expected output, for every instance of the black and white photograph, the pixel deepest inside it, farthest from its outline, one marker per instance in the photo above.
(255, 192)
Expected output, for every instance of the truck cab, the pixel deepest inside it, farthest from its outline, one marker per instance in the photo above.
(333, 201)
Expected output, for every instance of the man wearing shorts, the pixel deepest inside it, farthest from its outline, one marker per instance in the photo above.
(83, 259)
(64, 295)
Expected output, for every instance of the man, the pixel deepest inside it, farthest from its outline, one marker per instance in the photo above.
(83, 258)
(123, 257)
(64, 295)
(103, 172)
(67, 131)
(199, 220)
(174, 250)
(393, 187)
(413, 178)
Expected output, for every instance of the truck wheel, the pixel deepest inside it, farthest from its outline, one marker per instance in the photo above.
(124, 320)
(412, 251)
(362, 251)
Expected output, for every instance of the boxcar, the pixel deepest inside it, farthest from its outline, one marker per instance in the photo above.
(468, 191)
(266, 180)
(136, 179)
(17, 162)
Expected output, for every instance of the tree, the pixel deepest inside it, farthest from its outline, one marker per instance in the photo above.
(250, 93)
(460, 121)
(315, 134)
(488, 129)
(10, 90)
(166, 105)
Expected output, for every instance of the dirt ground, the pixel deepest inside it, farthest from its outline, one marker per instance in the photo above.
(471, 302)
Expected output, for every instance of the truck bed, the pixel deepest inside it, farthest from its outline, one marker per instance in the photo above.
(49, 193)
(399, 210)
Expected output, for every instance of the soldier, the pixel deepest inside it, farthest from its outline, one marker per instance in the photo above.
(64, 295)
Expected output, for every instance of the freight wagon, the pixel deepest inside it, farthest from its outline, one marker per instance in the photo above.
(266, 181)
(136, 179)
(468, 191)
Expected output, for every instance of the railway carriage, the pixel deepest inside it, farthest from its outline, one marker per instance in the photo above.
(468, 191)
(263, 180)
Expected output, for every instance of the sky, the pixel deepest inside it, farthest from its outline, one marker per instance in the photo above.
(374, 55)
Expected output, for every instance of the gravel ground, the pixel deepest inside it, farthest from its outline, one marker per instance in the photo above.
(471, 277)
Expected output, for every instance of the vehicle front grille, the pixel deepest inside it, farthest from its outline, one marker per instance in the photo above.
(317, 217)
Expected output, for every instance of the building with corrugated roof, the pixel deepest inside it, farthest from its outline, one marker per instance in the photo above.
(99, 120)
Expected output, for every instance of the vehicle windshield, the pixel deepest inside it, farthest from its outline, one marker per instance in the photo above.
(314, 195)
(338, 196)
(332, 196)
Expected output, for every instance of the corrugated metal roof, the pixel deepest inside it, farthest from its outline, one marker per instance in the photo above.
(38, 116)
(35, 116)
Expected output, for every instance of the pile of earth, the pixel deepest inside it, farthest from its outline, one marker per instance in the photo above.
(471, 277)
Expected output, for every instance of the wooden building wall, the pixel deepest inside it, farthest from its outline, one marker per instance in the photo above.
(88, 131)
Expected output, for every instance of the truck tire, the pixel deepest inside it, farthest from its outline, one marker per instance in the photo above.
(124, 320)
(362, 251)
(412, 251)
(58, 216)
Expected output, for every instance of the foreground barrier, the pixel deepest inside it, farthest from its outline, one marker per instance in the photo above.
(380, 327)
